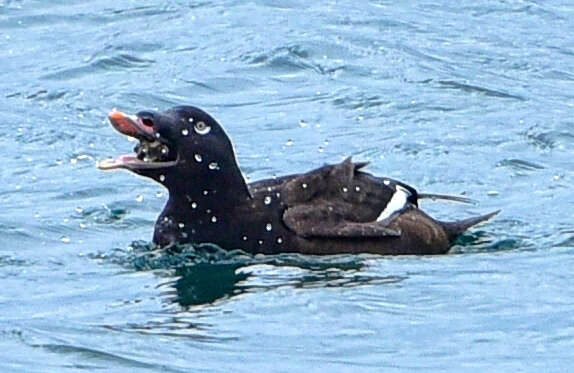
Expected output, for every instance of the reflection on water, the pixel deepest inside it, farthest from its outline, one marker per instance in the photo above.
(205, 283)
(203, 274)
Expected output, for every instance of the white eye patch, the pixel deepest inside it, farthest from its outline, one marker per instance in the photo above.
(201, 128)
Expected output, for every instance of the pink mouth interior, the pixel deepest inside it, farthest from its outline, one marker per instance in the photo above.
(131, 126)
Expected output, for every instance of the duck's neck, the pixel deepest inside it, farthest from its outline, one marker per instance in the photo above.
(212, 189)
(199, 207)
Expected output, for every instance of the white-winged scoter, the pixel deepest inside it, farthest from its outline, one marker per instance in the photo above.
(330, 210)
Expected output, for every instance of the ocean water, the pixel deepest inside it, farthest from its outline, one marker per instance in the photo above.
(471, 97)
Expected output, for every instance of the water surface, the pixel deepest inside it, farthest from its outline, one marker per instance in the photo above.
(474, 98)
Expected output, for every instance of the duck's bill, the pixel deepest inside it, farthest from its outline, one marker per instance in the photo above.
(150, 153)
(130, 125)
(132, 162)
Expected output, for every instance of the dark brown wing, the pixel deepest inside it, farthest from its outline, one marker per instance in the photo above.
(329, 221)
(341, 185)
(337, 201)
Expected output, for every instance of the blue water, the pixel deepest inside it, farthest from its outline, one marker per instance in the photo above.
(473, 97)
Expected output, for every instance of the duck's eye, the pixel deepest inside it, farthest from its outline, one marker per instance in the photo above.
(201, 128)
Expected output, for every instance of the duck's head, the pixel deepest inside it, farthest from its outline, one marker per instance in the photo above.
(182, 148)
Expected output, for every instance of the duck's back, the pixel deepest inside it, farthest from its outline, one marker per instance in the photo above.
(338, 209)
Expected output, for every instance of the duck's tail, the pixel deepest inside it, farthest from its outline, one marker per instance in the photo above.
(455, 228)
(446, 197)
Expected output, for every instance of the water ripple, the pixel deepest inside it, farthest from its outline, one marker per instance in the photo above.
(469, 88)
(98, 355)
(520, 165)
(321, 58)
(548, 139)
(117, 62)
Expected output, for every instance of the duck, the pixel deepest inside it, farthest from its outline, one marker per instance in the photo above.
(334, 209)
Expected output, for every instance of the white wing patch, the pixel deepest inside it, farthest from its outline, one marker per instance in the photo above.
(398, 202)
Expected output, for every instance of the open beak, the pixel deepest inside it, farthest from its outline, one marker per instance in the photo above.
(151, 153)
